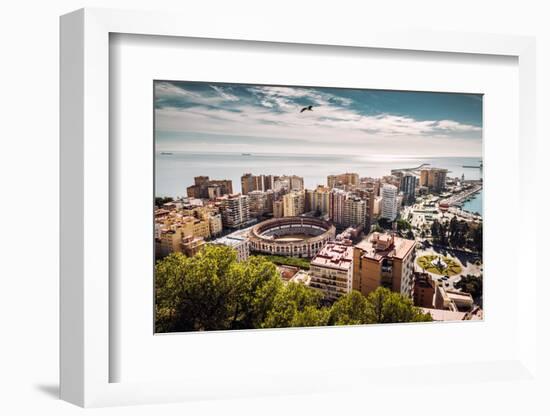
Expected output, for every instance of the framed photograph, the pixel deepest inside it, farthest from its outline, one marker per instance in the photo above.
(270, 213)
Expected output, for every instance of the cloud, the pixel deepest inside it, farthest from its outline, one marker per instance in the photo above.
(451, 125)
(168, 94)
(224, 94)
(274, 112)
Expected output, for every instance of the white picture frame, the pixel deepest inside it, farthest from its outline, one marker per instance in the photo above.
(85, 352)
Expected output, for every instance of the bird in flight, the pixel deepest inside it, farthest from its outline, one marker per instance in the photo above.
(308, 108)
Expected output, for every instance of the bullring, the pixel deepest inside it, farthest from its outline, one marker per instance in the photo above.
(291, 236)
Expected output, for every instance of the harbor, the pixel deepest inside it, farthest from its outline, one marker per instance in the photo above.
(463, 196)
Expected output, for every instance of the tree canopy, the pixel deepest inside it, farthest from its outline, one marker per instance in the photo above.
(458, 233)
(159, 200)
(473, 285)
(212, 291)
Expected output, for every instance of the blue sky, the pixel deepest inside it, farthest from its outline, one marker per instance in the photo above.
(207, 117)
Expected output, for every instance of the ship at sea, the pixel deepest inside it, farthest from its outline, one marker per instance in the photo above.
(166, 153)
(246, 154)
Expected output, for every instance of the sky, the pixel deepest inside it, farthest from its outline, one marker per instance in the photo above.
(215, 117)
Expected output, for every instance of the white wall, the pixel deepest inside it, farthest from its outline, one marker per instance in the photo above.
(29, 179)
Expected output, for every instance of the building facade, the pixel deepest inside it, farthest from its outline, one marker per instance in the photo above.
(202, 185)
(344, 181)
(294, 204)
(321, 200)
(355, 212)
(239, 243)
(424, 290)
(235, 210)
(337, 204)
(388, 208)
(296, 182)
(331, 270)
(433, 178)
(191, 245)
(216, 224)
(257, 201)
(278, 209)
(384, 260)
(291, 236)
(250, 182)
(408, 187)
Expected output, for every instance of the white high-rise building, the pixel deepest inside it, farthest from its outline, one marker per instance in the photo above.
(389, 202)
(235, 210)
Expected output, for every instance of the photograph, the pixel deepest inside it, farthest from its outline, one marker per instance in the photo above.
(279, 206)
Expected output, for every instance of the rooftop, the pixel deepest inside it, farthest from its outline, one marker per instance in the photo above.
(287, 272)
(445, 315)
(334, 255)
(230, 240)
(302, 277)
(377, 246)
(456, 295)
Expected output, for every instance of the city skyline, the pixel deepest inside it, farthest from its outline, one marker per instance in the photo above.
(281, 207)
(206, 117)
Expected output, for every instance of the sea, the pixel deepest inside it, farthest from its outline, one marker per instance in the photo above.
(175, 171)
(475, 204)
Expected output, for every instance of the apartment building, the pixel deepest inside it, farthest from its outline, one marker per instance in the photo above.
(257, 202)
(408, 187)
(235, 210)
(294, 204)
(433, 178)
(384, 260)
(388, 207)
(202, 184)
(237, 242)
(344, 181)
(423, 290)
(355, 212)
(331, 270)
(216, 224)
(337, 204)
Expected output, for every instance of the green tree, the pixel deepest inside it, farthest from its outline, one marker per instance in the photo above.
(256, 284)
(293, 299)
(198, 290)
(435, 230)
(159, 201)
(403, 225)
(476, 237)
(384, 224)
(384, 306)
(311, 316)
(202, 291)
(471, 284)
(376, 228)
(350, 309)
(212, 291)
(458, 231)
